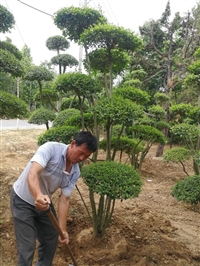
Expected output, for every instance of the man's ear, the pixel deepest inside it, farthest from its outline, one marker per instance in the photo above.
(73, 143)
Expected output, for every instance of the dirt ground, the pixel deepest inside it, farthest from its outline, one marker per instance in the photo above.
(153, 229)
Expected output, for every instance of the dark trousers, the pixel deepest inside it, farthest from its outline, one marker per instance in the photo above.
(31, 224)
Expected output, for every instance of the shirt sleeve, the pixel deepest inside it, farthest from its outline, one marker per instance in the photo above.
(67, 190)
(43, 154)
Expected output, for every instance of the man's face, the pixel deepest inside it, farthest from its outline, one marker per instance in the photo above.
(77, 154)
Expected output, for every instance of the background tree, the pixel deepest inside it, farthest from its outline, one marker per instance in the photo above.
(11, 106)
(57, 43)
(110, 37)
(82, 85)
(42, 116)
(99, 63)
(7, 20)
(39, 74)
(169, 48)
(74, 20)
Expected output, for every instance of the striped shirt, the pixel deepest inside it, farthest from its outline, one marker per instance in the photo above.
(52, 157)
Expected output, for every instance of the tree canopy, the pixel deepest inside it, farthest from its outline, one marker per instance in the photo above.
(7, 20)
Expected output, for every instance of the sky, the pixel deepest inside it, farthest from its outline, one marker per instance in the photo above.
(33, 28)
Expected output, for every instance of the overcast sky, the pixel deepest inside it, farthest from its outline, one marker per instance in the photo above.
(33, 28)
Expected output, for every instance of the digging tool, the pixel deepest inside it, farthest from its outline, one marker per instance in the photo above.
(56, 225)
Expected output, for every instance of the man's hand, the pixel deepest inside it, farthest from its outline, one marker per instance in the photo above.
(65, 240)
(42, 202)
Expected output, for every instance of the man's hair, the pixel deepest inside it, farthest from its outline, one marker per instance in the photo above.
(85, 137)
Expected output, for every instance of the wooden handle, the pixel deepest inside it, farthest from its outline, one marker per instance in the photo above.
(56, 225)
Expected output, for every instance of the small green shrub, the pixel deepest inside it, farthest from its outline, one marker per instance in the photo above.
(76, 121)
(117, 180)
(60, 134)
(62, 117)
(188, 190)
(111, 181)
(41, 116)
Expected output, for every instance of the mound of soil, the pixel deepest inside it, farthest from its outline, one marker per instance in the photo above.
(153, 229)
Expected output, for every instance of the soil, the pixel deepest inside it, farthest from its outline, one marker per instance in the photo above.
(152, 229)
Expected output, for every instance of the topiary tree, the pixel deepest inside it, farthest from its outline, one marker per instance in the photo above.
(187, 190)
(42, 116)
(72, 102)
(63, 116)
(190, 136)
(75, 120)
(126, 145)
(11, 106)
(57, 43)
(134, 94)
(110, 37)
(84, 86)
(7, 20)
(149, 135)
(64, 60)
(39, 74)
(111, 181)
(62, 134)
(115, 111)
(177, 155)
(49, 96)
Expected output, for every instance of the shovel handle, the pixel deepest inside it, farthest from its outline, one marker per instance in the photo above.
(57, 227)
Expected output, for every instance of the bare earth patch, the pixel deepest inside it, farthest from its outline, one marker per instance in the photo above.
(153, 229)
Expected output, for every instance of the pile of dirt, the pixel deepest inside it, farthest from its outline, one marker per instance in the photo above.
(153, 229)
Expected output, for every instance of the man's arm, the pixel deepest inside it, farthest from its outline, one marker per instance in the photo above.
(41, 201)
(63, 210)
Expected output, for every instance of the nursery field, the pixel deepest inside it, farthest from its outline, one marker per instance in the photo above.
(152, 229)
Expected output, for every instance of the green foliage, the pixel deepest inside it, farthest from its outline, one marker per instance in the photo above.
(133, 83)
(48, 95)
(111, 181)
(65, 60)
(123, 144)
(62, 134)
(39, 74)
(188, 190)
(74, 20)
(110, 37)
(57, 43)
(134, 94)
(11, 106)
(188, 133)
(148, 133)
(9, 63)
(7, 20)
(72, 103)
(161, 98)
(117, 110)
(99, 60)
(64, 115)
(81, 84)
(157, 112)
(11, 48)
(132, 147)
(180, 111)
(76, 121)
(116, 130)
(194, 114)
(41, 116)
(177, 155)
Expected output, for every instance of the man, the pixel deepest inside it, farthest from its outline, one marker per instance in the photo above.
(53, 166)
